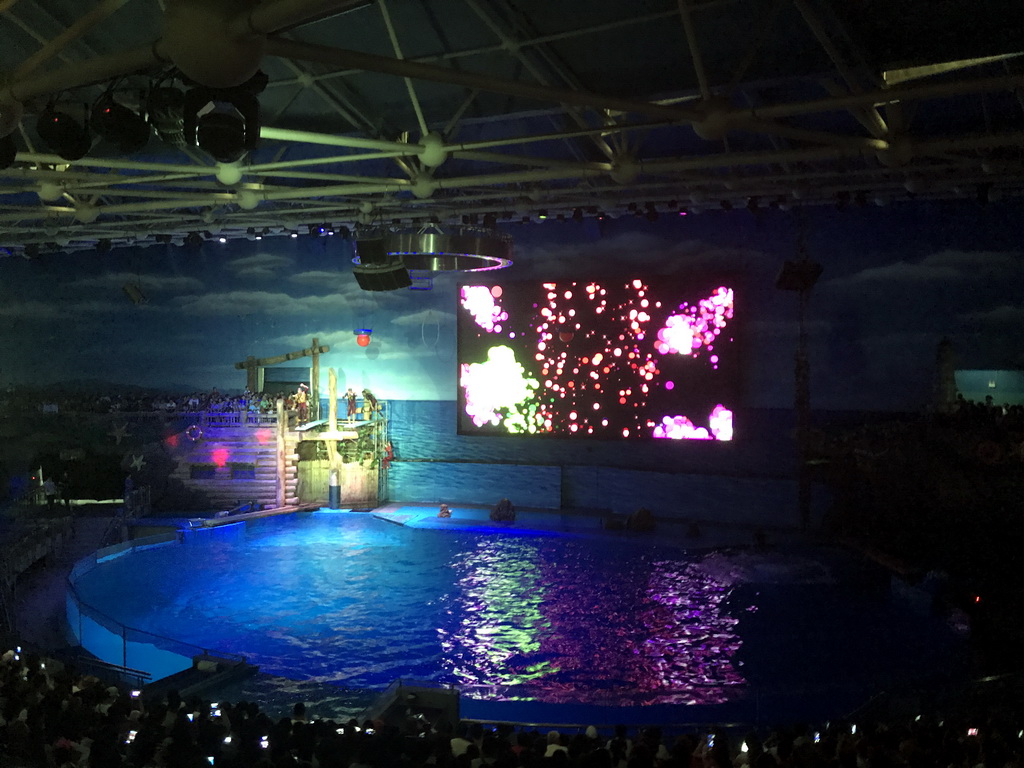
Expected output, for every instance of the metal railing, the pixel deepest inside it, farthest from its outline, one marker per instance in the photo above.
(118, 644)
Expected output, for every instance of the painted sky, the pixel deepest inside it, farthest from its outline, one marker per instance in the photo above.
(897, 279)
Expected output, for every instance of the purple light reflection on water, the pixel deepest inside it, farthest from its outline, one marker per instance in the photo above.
(356, 601)
(564, 621)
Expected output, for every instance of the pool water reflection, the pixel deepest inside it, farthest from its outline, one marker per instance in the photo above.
(358, 602)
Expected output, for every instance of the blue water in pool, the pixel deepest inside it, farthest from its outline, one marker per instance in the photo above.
(355, 601)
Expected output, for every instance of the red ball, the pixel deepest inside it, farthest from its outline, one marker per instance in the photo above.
(565, 335)
(363, 339)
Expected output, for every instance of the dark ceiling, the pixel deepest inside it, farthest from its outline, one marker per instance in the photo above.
(596, 108)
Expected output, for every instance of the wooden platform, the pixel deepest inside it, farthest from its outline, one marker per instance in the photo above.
(214, 522)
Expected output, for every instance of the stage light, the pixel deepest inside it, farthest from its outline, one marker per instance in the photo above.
(542, 214)
(104, 245)
(363, 336)
(753, 204)
(223, 123)
(490, 220)
(193, 240)
(63, 134)
(577, 215)
(8, 151)
(32, 251)
(119, 125)
(165, 109)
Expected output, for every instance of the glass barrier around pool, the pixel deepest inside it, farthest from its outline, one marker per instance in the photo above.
(115, 643)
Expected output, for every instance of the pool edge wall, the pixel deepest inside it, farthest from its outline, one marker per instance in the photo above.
(109, 640)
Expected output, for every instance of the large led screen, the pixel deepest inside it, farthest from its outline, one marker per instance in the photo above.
(636, 358)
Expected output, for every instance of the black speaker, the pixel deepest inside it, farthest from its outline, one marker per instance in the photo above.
(371, 252)
(386, 277)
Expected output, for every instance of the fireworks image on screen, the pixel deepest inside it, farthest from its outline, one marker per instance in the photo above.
(611, 359)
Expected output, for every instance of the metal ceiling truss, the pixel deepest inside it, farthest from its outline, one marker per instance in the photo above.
(708, 146)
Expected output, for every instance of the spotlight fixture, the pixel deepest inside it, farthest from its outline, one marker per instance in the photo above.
(225, 123)
(577, 215)
(32, 251)
(63, 134)
(753, 204)
(490, 220)
(119, 125)
(542, 214)
(193, 240)
(165, 109)
(104, 245)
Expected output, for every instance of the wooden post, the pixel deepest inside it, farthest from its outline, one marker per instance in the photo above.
(332, 399)
(254, 368)
(332, 417)
(314, 385)
(282, 475)
(251, 373)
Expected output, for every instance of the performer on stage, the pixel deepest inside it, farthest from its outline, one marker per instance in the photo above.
(302, 403)
(370, 405)
(350, 399)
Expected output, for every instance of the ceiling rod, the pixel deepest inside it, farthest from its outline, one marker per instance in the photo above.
(291, 49)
